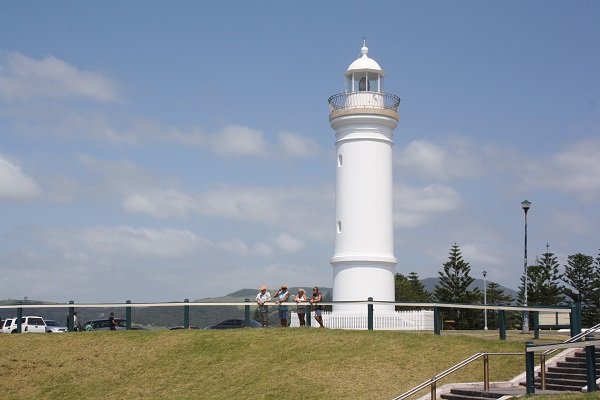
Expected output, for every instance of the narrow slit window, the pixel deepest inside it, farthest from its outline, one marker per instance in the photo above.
(339, 226)
(339, 160)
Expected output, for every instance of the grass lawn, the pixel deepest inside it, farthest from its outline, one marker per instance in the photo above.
(238, 364)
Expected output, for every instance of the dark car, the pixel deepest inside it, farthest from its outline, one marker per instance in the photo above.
(102, 324)
(234, 324)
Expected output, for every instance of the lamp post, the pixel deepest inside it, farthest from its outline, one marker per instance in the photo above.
(525, 204)
(485, 327)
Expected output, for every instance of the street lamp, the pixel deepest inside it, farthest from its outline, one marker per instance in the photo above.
(485, 301)
(525, 204)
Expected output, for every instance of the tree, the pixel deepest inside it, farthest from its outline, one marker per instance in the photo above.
(496, 296)
(453, 287)
(579, 276)
(543, 285)
(410, 289)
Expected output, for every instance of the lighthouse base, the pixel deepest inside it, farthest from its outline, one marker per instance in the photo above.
(357, 281)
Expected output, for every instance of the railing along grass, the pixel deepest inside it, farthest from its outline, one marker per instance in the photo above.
(570, 396)
(235, 364)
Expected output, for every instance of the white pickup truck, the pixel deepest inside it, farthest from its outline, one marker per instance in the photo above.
(29, 324)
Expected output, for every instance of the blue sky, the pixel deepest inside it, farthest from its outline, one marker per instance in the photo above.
(156, 151)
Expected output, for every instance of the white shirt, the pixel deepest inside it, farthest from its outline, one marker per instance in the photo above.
(263, 298)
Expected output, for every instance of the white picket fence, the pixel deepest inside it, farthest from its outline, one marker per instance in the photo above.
(390, 321)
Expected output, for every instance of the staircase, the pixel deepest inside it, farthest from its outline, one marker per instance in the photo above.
(569, 374)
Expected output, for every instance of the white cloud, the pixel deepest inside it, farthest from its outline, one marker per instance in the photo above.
(297, 146)
(239, 140)
(288, 243)
(160, 204)
(477, 254)
(14, 184)
(24, 78)
(414, 206)
(444, 160)
(575, 170)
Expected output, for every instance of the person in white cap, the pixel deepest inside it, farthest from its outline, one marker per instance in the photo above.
(263, 310)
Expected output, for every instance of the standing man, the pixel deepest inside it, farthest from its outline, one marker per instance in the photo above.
(263, 310)
(315, 299)
(111, 322)
(282, 296)
(76, 324)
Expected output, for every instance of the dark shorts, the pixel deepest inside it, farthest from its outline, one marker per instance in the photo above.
(318, 312)
(283, 314)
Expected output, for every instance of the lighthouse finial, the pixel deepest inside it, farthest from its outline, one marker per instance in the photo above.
(364, 50)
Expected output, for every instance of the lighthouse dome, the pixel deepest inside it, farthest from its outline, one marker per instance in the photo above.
(364, 64)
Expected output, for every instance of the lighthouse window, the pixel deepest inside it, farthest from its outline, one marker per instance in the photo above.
(339, 226)
(339, 160)
(363, 84)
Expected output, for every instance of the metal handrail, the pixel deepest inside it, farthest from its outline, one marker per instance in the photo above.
(546, 353)
(345, 100)
(433, 381)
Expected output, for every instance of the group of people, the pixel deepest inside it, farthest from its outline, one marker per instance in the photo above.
(281, 296)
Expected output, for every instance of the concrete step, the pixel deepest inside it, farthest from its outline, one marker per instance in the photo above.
(476, 393)
(561, 388)
(564, 375)
(566, 370)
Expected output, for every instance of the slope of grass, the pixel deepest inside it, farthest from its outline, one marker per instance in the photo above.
(248, 363)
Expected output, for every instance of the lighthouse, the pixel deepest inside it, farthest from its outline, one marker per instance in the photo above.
(363, 118)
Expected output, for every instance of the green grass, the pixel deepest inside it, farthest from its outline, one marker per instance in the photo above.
(238, 364)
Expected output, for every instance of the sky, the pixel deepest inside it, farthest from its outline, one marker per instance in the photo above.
(157, 151)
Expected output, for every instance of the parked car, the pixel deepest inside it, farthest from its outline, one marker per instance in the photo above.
(103, 324)
(55, 327)
(178, 327)
(8, 327)
(234, 324)
(32, 324)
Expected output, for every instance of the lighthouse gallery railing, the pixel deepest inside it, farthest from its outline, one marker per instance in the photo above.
(346, 100)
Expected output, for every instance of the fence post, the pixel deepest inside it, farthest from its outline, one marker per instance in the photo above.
(536, 324)
(70, 319)
(186, 314)
(19, 318)
(128, 315)
(370, 315)
(590, 363)
(437, 321)
(502, 324)
(247, 312)
(529, 368)
(308, 314)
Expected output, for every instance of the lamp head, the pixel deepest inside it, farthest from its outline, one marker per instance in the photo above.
(525, 204)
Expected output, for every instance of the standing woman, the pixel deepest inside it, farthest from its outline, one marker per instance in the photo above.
(301, 308)
(282, 296)
(315, 300)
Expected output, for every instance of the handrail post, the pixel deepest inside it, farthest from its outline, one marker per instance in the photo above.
(19, 318)
(502, 324)
(71, 317)
(536, 324)
(529, 368)
(486, 372)
(590, 364)
(543, 371)
(308, 315)
(437, 321)
(186, 314)
(433, 389)
(370, 314)
(128, 316)
(575, 320)
(247, 312)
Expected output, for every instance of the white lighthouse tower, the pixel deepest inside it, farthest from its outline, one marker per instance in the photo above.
(364, 118)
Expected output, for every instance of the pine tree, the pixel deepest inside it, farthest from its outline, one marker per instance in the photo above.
(410, 289)
(544, 282)
(579, 276)
(496, 296)
(453, 287)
